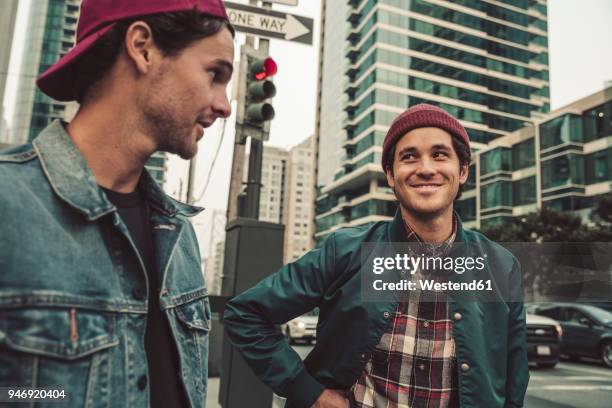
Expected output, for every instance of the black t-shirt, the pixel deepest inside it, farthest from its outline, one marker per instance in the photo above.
(164, 374)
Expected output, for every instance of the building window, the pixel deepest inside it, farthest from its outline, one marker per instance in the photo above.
(563, 170)
(564, 129)
(496, 194)
(524, 191)
(495, 160)
(598, 122)
(523, 154)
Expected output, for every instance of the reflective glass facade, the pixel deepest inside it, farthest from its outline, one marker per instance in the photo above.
(564, 162)
(485, 64)
(51, 34)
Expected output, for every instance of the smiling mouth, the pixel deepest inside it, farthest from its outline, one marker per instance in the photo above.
(426, 187)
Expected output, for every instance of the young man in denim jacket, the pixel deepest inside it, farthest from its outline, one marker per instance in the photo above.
(101, 290)
(433, 349)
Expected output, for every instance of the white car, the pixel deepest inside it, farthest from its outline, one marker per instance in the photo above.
(301, 328)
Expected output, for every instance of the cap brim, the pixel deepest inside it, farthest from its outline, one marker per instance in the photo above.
(58, 82)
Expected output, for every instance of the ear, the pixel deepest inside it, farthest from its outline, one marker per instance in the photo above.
(463, 173)
(139, 46)
(389, 175)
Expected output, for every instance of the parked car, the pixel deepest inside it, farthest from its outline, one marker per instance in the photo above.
(543, 340)
(587, 329)
(302, 328)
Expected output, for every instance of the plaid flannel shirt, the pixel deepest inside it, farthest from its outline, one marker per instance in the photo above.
(414, 362)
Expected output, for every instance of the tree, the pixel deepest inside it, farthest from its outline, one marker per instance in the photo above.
(557, 252)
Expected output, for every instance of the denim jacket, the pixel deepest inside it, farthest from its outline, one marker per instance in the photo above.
(71, 317)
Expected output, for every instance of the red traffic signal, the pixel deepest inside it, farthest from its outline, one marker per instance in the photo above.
(263, 69)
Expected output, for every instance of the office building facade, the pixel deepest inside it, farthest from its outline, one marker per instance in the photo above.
(50, 34)
(8, 16)
(484, 61)
(562, 161)
(286, 195)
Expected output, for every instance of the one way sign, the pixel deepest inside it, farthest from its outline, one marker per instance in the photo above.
(269, 23)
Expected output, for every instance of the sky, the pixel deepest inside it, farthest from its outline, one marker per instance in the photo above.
(580, 61)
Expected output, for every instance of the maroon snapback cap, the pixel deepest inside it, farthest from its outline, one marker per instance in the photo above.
(96, 18)
(419, 116)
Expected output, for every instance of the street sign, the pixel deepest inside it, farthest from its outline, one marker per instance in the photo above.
(269, 23)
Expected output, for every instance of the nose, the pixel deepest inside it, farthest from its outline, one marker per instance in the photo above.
(221, 105)
(426, 168)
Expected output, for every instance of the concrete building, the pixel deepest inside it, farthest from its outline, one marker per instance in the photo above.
(484, 61)
(50, 34)
(299, 208)
(215, 261)
(273, 175)
(8, 15)
(287, 196)
(562, 161)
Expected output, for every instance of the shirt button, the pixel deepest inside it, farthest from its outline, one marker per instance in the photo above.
(425, 323)
(138, 294)
(465, 367)
(386, 315)
(422, 367)
(457, 316)
(142, 382)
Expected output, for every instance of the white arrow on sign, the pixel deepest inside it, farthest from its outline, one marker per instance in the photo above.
(270, 23)
(295, 28)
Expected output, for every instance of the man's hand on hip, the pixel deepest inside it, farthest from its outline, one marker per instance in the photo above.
(332, 399)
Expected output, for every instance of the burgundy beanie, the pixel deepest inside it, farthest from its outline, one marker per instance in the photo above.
(418, 116)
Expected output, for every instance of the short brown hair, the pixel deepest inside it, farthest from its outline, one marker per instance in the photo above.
(172, 32)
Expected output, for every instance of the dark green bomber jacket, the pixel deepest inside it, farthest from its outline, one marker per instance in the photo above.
(489, 336)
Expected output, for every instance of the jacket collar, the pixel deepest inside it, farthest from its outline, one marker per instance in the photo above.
(397, 228)
(72, 180)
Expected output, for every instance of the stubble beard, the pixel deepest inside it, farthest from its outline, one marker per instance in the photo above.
(169, 131)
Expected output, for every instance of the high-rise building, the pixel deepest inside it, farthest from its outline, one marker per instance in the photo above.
(299, 209)
(8, 15)
(562, 161)
(216, 268)
(286, 194)
(50, 34)
(484, 61)
(273, 175)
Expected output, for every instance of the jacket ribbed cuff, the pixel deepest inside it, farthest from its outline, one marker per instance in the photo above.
(304, 390)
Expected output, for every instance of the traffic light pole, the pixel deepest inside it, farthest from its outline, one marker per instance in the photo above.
(253, 184)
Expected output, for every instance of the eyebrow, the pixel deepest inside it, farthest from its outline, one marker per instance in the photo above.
(411, 149)
(227, 65)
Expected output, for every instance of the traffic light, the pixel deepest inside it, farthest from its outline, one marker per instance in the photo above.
(258, 89)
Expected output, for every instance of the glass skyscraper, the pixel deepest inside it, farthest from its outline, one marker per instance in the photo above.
(484, 61)
(50, 34)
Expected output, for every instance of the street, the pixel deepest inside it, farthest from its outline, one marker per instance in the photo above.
(568, 385)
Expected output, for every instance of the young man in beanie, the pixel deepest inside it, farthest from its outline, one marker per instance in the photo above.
(423, 351)
(101, 291)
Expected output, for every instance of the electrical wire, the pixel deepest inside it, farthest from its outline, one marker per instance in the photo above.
(212, 165)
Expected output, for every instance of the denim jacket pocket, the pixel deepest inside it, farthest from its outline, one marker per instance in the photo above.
(67, 334)
(63, 348)
(196, 314)
(193, 327)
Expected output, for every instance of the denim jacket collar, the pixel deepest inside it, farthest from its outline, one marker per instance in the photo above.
(72, 180)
